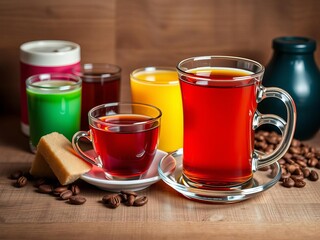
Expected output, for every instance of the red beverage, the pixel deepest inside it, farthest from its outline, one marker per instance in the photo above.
(100, 85)
(126, 150)
(95, 93)
(218, 135)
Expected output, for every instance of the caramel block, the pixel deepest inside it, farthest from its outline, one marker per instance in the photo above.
(60, 156)
(40, 168)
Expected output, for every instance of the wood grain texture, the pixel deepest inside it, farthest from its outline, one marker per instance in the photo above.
(139, 33)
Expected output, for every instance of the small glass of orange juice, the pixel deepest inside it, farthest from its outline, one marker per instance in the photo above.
(159, 86)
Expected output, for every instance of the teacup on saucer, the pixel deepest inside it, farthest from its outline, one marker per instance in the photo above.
(97, 177)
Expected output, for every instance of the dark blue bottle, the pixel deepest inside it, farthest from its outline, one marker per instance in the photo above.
(293, 68)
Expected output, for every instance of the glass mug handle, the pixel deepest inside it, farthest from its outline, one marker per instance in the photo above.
(286, 127)
(75, 144)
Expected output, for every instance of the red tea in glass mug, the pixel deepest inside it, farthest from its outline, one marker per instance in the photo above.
(124, 137)
(100, 84)
(220, 97)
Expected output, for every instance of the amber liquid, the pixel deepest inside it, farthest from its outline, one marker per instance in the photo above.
(218, 135)
(97, 92)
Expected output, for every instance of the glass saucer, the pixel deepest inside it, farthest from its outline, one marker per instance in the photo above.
(261, 181)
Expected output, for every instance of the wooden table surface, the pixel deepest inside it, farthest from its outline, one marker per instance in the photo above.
(279, 213)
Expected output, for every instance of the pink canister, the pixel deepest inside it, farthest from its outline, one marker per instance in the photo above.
(44, 56)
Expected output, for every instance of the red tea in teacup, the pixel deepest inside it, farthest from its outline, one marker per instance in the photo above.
(124, 152)
(124, 136)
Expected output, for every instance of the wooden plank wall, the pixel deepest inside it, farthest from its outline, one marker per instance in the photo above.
(139, 33)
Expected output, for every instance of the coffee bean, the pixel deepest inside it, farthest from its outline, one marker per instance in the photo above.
(302, 163)
(107, 198)
(287, 156)
(312, 149)
(77, 200)
(131, 199)
(128, 192)
(45, 188)
(294, 150)
(281, 161)
(21, 181)
(140, 201)
(299, 183)
(15, 175)
(283, 170)
(318, 165)
(288, 182)
(295, 143)
(297, 177)
(269, 149)
(313, 176)
(58, 190)
(115, 201)
(298, 171)
(261, 145)
(309, 155)
(306, 172)
(285, 176)
(312, 162)
(297, 157)
(290, 161)
(66, 194)
(291, 168)
(75, 189)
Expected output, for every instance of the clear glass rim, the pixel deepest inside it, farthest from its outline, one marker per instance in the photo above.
(181, 70)
(87, 72)
(118, 104)
(75, 80)
(154, 69)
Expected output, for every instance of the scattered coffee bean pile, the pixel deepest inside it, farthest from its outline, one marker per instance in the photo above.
(297, 164)
(71, 193)
(48, 186)
(129, 198)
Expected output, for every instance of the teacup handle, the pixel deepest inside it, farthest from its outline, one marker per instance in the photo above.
(286, 128)
(75, 144)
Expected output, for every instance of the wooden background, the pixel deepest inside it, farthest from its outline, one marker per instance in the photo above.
(139, 33)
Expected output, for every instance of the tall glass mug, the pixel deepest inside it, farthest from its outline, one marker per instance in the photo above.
(159, 86)
(220, 96)
(54, 105)
(100, 84)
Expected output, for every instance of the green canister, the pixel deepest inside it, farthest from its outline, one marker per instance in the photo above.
(293, 68)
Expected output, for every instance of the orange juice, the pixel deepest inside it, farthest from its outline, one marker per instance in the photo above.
(160, 87)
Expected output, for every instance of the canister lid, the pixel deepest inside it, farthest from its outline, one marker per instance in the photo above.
(50, 53)
(294, 44)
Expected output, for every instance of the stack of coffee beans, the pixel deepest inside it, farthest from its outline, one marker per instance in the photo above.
(298, 164)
